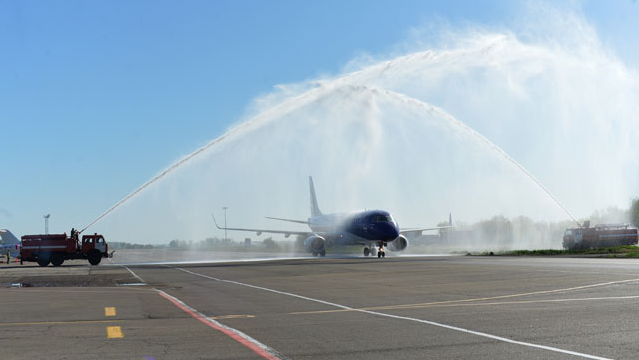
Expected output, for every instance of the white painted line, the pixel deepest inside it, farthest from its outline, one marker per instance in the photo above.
(450, 327)
(267, 289)
(425, 255)
(134, 274)
(133, 284)
(196, 262)
(494, 337)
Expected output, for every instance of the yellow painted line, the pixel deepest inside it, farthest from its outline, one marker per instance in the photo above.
(59, 322)
(231, 317)
(109, 311)
(114, 332)
(410, 306)
(527, 302)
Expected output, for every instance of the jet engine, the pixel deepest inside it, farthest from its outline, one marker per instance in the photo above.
(315, 244)
(398, 244)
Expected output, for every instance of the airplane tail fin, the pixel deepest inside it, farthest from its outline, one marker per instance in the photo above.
(9, 243)
(8, 238)
(314, 207)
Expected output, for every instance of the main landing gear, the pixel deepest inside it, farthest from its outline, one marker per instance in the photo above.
(370, 251)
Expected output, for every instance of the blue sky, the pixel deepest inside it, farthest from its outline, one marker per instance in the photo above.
(97, 97)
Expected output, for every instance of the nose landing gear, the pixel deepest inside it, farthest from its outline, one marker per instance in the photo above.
(381, 253)
(371, 251)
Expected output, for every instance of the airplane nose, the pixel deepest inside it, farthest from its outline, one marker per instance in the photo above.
(391, 232)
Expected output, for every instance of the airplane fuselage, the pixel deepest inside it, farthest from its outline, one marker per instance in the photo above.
(371, 228)
(357, 228)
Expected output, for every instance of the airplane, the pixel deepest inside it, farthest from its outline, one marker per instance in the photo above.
(369, 228)
(8, 241)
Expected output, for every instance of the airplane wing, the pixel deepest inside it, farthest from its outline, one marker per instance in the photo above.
(289, 220)
(424, 229)
(418, 231)
(413, 233)
(286, 233)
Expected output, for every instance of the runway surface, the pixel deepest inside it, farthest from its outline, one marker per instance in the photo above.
(336, 308)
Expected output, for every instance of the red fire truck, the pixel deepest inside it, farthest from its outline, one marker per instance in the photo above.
(601, 235)
(55, 248)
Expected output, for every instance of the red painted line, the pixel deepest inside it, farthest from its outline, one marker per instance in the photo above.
(257, 347)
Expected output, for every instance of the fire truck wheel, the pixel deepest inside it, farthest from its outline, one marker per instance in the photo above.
(94, 257)
(43, 261)
(57, 259)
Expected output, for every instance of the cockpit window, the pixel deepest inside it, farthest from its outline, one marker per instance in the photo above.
(382, 218)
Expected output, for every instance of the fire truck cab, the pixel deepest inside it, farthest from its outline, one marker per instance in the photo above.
(95, 241)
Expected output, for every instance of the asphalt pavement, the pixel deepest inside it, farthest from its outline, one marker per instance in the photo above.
(334, 308)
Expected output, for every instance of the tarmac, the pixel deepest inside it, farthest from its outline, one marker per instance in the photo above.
(444, 307)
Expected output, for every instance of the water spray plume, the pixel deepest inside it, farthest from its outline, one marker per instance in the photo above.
(490, 144)
(419, 135)
(375, 94)
(296, 101)
(162, 174)
(157, 177)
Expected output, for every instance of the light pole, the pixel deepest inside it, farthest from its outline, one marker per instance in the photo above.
(46, 223)
(225, 236)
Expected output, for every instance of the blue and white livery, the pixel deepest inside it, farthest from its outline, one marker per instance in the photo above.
(374, 229)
